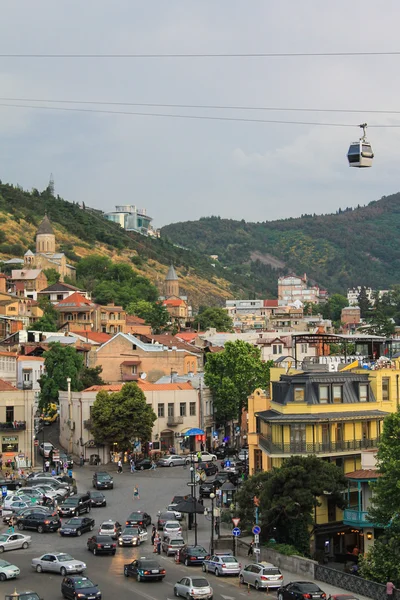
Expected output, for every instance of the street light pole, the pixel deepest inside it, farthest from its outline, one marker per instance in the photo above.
(212, 496)
(193, 486)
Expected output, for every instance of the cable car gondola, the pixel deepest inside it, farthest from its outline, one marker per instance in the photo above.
(360, 153)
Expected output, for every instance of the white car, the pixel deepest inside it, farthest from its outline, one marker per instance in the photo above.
(243, 454)
(193, 587)
(222, 565)
(205, 457)
(50, 492)
(11, 499)
(8, 571)
(14, 541)
(172, 460)
(45, 448)
(58, 562)
(178, 515)
(172, 528)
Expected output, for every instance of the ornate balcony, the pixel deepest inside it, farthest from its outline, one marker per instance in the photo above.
(357, 518)
(271, 447)
(172, 421)
(16, 426)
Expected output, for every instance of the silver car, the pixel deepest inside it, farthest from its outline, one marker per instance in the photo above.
(14, 541)
(171, 528)
(261, 575)
(173, 460)
(172, 544)
(58, 562)
(222, 565)
(194, 588)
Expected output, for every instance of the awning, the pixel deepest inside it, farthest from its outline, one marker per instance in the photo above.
(130, 363)
(194, 431)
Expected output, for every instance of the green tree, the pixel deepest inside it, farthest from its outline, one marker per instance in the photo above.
(48, 322)
(247, 492)
(53, 276)
(122, 417)
(215, 317)
(60, 362)
(363, 302)
(232, 375)
(332, 309)
(154, 313)
(91, 376)
(289, 496)
(378, 323)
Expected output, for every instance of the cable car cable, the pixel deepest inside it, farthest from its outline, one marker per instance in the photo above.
(207, 55)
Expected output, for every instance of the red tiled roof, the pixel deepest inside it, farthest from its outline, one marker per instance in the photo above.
(215, 349)
(363, 474)
(38, 358)
(188, 336)
(134, 320)
(271, 303)
(173, 302)
(151, 387)
(7, 387)
(94, 336)
(171, 341)
(8, 354)
(75, 300)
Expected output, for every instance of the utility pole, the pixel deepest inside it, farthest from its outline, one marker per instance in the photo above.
(69, 415)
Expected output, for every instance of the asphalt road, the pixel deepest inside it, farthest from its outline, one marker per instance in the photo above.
(156, 491)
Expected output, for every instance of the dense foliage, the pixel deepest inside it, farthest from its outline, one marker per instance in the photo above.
(213, 316)
(154, 313)
(232, 375)
(60, 362)
(288, 497)
(352, 247)
(122, 417)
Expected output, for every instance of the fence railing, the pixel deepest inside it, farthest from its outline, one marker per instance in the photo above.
(315, 448)
(352, 583)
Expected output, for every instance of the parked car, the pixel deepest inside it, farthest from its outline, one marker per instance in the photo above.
(261, 575)
(112, 528)
(193, 555)
(103, 481)
(138, 517)
(101, 544)
(243, 454)
(45, 448)
(209, 468)
(171, 460)
(205, 457)
(77, 526)
(177, 499)
(171, 528)
(97, 499)
(301, 590)
(79, 587)
(222, 565)
(8, 571)
(13, 484)
(193, 587)
(75, 505)
(38, 520)
(222, 451)
(13, 541)
(28, 595)
(233, 466)
(58, 562)
(132, 536)
(143, 464)
(178, 515)
(66, 459)
(29, 492)
(144, 569)
(172, 544)
(163, 517)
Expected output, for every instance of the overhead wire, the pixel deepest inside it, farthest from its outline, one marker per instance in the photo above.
(205, 55)
(192, 117)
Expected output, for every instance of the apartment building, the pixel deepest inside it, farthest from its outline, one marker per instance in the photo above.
(16, 424)
(293, 287)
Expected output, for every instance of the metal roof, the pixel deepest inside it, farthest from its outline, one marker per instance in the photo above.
(273, 415)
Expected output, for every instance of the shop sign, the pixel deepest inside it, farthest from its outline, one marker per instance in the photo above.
(10, 439)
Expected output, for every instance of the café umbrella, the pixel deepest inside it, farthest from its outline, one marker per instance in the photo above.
(191, 506)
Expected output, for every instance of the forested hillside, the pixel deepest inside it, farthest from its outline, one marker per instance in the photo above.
(351, 247)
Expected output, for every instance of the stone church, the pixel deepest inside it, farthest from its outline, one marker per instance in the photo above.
(46, 256)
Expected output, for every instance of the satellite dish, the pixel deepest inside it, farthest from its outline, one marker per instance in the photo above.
(143, 375)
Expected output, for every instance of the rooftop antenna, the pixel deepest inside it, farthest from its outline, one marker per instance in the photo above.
(50, 187)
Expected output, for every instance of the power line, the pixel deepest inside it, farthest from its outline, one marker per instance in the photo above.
(206, 106)
(193, 117)
(214, 55)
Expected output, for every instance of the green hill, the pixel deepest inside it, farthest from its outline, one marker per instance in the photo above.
(352, 247)
(81, 231)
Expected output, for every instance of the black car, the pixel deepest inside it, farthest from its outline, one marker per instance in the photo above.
(77, 526)
(193, 555)
(103, 481)
(101, 544)
(300, 590)
(145, 569)
(40, 521)
(97, 499)
(13, 484)
(76, 586)
(28, 595)
(138, 517)
(224, 451)
(163, 517)
(75, 505)
(210, 468)
(177, 499)
(141, 465)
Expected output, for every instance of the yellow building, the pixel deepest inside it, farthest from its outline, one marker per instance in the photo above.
(334, 415)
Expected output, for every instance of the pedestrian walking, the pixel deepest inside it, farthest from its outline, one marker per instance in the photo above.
(65, 468)
(251, 549)
(199, 456)
(133, 468)
(47, 466)
(389, 590)
(81, 460)
(136, 493)
(119, 470)
(53, 472)
(153, 534)
(156, 540)
(153, 465)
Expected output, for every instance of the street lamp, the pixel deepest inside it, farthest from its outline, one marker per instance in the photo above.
(193, 486)
(246, 453)
(212, 497)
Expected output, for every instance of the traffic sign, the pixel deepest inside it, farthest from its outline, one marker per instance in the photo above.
(256, 538)
(236, 531)
(235, 521)
(256, 530)
(227, 463)
(4, 491)
(256, 550)
(36, 442)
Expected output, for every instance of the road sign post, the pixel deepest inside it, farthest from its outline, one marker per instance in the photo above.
(235, 521)
(235, 533)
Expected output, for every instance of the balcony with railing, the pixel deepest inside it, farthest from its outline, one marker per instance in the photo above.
(357, 518)
(16, 426)
(271, 447)
(172, 421)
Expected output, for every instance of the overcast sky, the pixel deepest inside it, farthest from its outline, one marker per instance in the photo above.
(182, 169)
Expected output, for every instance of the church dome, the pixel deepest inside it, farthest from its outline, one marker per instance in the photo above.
(45, 227)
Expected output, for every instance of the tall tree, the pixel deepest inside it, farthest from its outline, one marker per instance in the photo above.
(232, 375)
(53, 276)
(215, 317)
(91, 376)
(48, 322)
(60, 362)
(122, 417)
(154, 313)
(363, 302)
